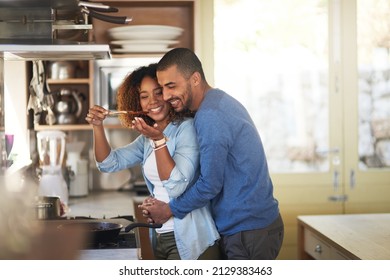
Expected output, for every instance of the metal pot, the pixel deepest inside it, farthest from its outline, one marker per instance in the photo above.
(69, 106)
(60, 70)
(48, 207)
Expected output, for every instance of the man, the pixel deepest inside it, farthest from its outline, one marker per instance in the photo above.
(234, 174)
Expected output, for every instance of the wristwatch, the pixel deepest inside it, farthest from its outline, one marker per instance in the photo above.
(157, 143)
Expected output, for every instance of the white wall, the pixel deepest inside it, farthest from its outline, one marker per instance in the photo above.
(15, 81)
(204, 36)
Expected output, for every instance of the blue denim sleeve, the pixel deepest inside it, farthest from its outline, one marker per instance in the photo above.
(186, 157)
(123, 157)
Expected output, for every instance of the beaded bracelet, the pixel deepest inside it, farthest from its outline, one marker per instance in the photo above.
(160, 147)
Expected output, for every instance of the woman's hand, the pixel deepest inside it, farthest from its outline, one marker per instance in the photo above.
(96, 115)
(152, 132)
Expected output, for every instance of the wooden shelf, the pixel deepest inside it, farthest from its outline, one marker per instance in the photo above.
(39, 127)
(63, 127)
(73, 81)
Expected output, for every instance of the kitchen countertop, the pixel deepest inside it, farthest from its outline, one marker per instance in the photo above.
(357, 236)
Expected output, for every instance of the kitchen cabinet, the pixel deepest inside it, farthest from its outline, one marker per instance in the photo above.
(173, 13)
(81, 84)
(183, 14)
(344, 237)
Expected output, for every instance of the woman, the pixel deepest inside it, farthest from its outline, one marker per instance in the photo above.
(168, 152)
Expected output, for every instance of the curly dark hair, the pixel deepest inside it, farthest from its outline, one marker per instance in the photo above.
(128, 97)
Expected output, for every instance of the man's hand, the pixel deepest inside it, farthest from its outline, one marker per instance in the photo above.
(155, 210)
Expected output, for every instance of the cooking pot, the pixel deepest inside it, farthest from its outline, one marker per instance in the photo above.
(60, 70)
(48, 207)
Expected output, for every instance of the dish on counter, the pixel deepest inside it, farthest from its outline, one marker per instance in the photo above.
(128, 46)
(141, 35)
(145, 32)
(146, 28)
(141, 49)
(144, 42)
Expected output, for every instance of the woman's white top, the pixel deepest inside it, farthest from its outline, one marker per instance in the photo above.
(159, 192)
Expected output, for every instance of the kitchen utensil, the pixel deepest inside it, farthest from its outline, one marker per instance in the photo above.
(78, 183)
(141, 49)
(144, 46)
(51, 150)
(145, 32)
(134, 225)
(97, 6)
(161, 43)
(68, 107)
(113, 19)
(60, 70)
(48, 207)
(99, 232)
(164, 29)
(35, 100)
(48, 100)
(116, 113)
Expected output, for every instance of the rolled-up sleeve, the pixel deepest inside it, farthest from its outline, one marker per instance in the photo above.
(123, 157)
(186, 157)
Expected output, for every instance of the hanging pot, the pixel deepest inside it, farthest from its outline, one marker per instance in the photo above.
(60, 70)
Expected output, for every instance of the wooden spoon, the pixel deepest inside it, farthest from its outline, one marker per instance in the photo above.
(116, 113)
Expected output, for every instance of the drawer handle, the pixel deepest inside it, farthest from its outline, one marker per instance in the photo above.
(318, 249)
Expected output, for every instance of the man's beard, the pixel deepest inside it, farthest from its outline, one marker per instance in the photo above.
(188, 102)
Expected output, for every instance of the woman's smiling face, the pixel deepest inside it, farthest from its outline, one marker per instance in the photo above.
(151, 100)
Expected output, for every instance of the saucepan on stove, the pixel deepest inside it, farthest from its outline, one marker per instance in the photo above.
(47, 207)
(104, 232)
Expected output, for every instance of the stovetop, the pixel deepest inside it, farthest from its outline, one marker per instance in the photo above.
(124, 240)
(124, 247)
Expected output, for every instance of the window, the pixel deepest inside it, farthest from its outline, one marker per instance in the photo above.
(278, 68)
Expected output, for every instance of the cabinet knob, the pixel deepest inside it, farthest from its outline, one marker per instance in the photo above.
(318, 249)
